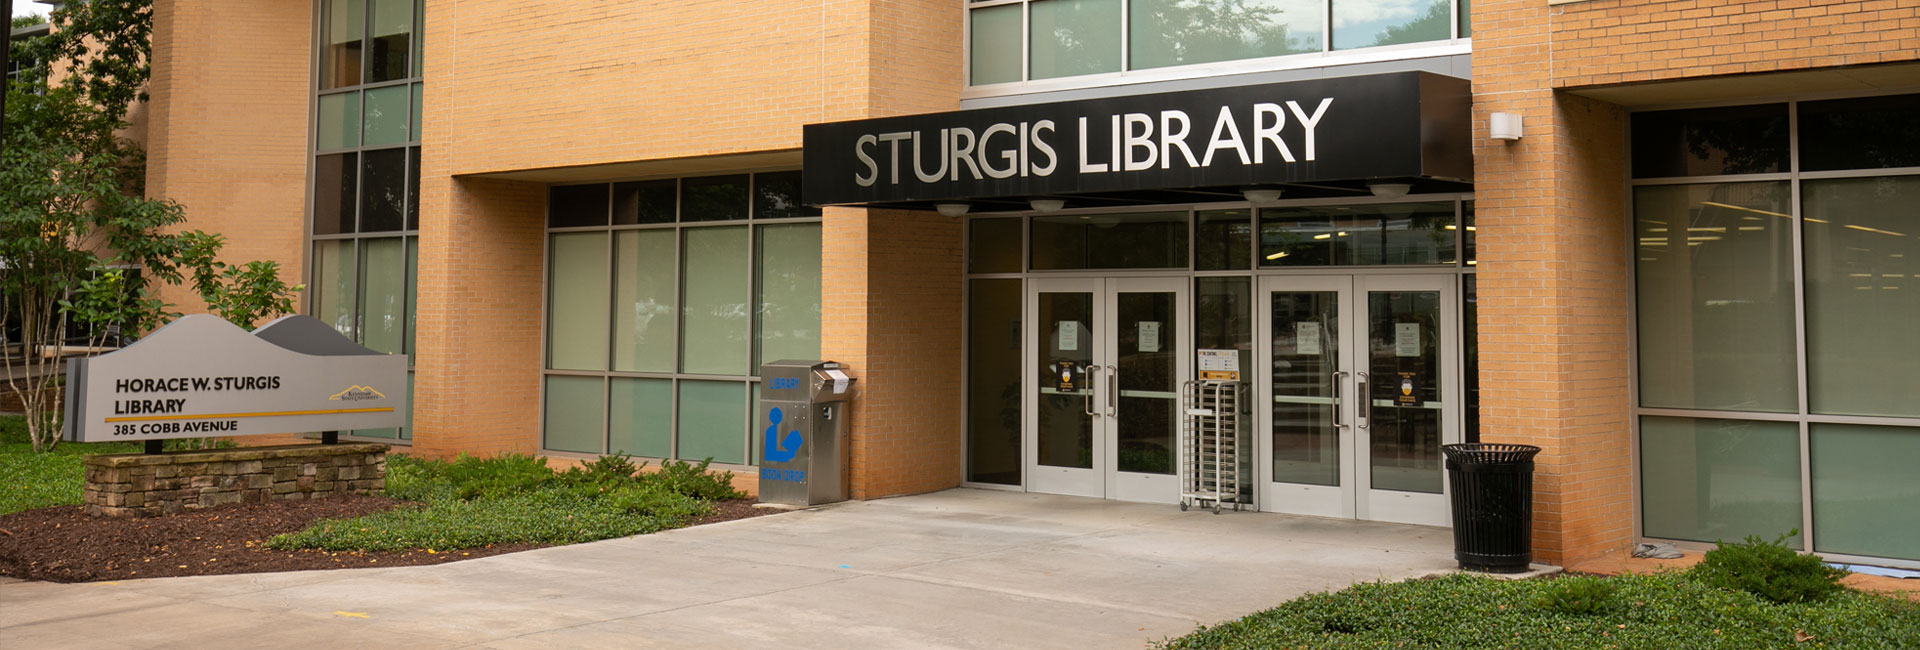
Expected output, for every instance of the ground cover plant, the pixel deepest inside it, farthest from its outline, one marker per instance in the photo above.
(1658, 611)
(514, 499)
(41, 480)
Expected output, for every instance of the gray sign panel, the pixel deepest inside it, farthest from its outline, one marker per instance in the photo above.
(203, 376)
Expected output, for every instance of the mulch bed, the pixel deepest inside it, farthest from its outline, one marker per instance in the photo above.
(65, 545)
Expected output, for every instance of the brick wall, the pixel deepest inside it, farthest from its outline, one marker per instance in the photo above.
(226, 126)
(1616, 41)
(1553, 295)
(890, 310)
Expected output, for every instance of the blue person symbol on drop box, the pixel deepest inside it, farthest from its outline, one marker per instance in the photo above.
(786, 448)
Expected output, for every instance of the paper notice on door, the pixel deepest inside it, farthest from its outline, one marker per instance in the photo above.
(1406, 339)
(1067, 335)
(1306, 338)
(1149, 336)
(840, 381)
(1220, 364)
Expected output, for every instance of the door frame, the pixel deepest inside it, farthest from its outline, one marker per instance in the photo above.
(1135, 486)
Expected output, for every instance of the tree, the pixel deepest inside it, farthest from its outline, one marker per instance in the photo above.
(74, 218)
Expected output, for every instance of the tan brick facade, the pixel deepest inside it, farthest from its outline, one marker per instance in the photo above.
(1625, 41)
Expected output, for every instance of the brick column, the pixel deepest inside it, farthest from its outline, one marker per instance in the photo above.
(890, 310)
(1553, 292)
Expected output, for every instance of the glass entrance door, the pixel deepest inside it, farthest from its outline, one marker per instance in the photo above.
(1362, 383)
(1107, 358)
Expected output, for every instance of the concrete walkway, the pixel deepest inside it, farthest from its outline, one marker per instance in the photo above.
(957, 569)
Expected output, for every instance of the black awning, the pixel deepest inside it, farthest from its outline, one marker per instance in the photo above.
(1320, 137)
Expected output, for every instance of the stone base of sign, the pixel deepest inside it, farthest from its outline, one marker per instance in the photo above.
(141, 485)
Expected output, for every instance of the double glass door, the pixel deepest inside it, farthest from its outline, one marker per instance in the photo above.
(1362, 382)
(1106, 359)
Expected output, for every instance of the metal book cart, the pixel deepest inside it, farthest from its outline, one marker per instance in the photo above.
(1210, 444)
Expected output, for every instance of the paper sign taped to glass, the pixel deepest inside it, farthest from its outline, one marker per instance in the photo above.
(1220, 364)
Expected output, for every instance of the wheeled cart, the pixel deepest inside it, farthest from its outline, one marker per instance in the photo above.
(1210, 444)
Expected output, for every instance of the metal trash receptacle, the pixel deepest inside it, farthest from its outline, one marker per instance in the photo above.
(1492, 495)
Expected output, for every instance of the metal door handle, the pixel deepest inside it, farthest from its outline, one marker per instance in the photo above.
(1337, 381)
(1365, 404)
(1113, 390)
(1086, 397)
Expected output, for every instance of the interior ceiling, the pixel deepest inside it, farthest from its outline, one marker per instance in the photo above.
(1865, 78)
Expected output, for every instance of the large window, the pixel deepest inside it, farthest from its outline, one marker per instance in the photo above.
(663, 299)
(364, 200)
(1011, 41)
(1776, 310)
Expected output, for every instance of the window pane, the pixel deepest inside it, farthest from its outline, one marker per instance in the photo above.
(577, 205)
(413, 292)
(643, 202)
(1864, 490)
(789, 300)
(1156, 240)
(1715, 292)
(995, 45)
(1182, 32)
(574, 407)
(1074, 37)
(334, 279)
(1223, 320)
(1381, 233)
(386, 116)
(419, 91)
(383, 190)
(1467, 237)
(713, 198)
(1370, 23)
(340, 57)
(993, 381)
(714, 312)
(413, 188)
(1712, 480)
(420, 37)
(335, 192)
(640, 422)
(406, 431)
(993, 245)
(1466, 21)
(644, 317)
(1865, 133)
(1470, 352)
(1710, 141)
(1224, 239)
(339, 121)
(713, 421)
(383, 292)
(577, 313)
(392, 31)
(1863, 295)
(777, 196)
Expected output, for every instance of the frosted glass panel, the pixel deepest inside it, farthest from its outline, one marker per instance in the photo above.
(640, 417)
(1183, 32)
(382, 299)
(573, 414)
(713, 421)
(1074, 37)
(789, 281)
(339, 122)
(334, 274)
(1863, 295)
(413, 293)
(644, 284)
(386, 116)
(1715, 291)
(1712, 480)
(1369, 23)
(995, 45)
(577, 315)
(714, 317)
(1864, 490)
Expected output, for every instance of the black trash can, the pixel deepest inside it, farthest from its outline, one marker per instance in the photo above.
(1492, 488)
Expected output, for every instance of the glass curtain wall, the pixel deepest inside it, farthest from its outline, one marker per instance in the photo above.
(663, 299)
(1222, 248)
(1776, 305)
(364, 213)
(1010, 41)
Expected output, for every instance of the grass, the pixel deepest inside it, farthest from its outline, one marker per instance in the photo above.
(474, 502)
(1659, 611)
(33, 480)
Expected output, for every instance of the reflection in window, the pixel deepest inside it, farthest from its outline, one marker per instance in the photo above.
(1156, 240)
(1710, 141)
(1182, 32)
(1372, 23)
(1366, 234)
(1862, 295)
(1074, 37)
(1863, 133)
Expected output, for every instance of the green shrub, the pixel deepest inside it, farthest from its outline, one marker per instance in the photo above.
(617, 465)
(1770, 570)
(694, 480)
(1577, 595)
(554, 515)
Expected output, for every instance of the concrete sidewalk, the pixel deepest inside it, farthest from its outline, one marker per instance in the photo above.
(957, 569)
